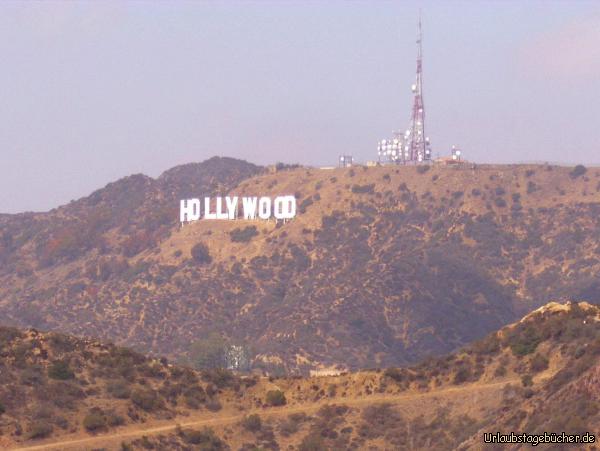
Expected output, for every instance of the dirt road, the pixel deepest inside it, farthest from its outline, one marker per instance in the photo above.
(113, 439)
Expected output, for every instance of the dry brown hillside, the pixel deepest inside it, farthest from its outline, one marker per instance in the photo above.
(539, 374)
(382, 266)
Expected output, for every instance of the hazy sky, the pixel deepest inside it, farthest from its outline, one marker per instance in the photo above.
(93, 91)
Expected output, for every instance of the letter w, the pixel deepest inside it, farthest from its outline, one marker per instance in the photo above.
(249, 204)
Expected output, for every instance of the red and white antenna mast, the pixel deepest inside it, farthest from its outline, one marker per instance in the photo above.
(416, 143)
(412, 146)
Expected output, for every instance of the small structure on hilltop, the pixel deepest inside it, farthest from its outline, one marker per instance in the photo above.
(456, 153)
(237, 358)
(326, 372)
(346, 161)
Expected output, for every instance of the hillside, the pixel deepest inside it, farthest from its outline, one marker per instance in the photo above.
(382, 266)
(539, 374)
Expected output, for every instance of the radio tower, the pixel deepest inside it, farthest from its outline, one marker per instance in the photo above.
(412, 146)
(416, 143)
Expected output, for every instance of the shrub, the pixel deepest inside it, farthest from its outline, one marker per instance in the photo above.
(292, 424)
(525, 342)
(94, 420)
(243, 235)
(531, 187)
(59, 369)
(363, 189)
(378, 420)
(32, 375)
(64, 394)
(527, 380)
(276, 398)
(113, 419)
(578, 171)
(462, 375)
(118, 389)
(214, 405)
(136, 243)
(422, 169)
(61, 343)
(221, 377)
(331, 390)
(287, 428)
(200, 254)
(2, 408)
(209, 352)
(252, 423)
(313, 442)
(538, 363)
(486, 346)
(193, 396)
(305, 204)
(206, 438)
(500, 202)
(39, 429)
(395, 374)
(579, 352)
(145, 398)
(500, 371)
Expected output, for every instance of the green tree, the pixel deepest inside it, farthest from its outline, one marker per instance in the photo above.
(276, 398)
(200, 254)
(578, 171)
(209, 352)
(59, 369)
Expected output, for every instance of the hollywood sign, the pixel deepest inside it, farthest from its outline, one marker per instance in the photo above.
(228, 208)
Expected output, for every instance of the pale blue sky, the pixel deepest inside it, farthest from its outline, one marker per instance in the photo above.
(93, 91)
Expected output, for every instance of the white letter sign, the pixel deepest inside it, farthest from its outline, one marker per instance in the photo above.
(249, 207)
(189, 210)
(282, 207)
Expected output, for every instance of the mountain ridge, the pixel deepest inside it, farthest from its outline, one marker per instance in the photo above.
(382, 266)
(536, 375)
